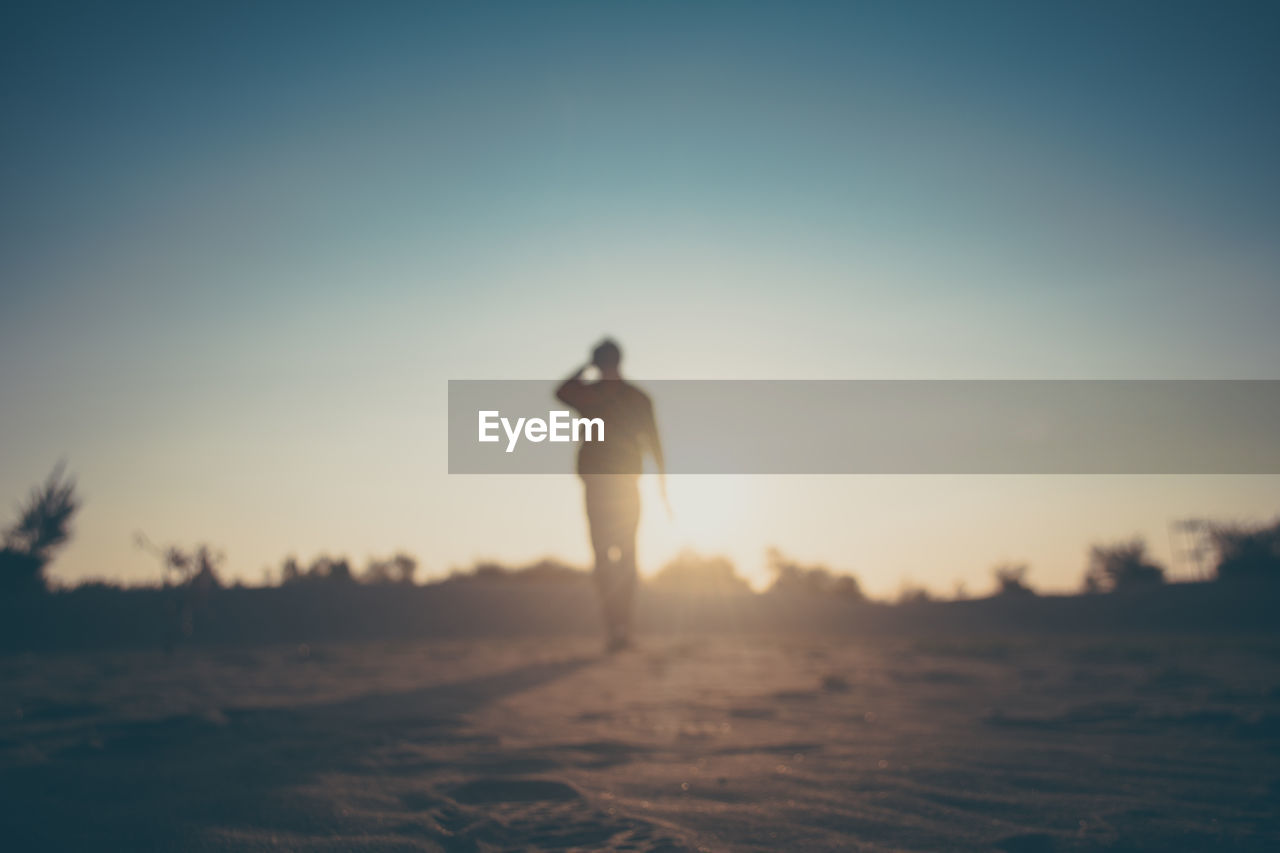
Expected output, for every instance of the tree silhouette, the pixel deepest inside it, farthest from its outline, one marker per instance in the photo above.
(43, 525)
(1011, 579)
(1247, 553)
(1121, 567)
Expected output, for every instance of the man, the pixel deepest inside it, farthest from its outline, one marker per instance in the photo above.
(610, 472)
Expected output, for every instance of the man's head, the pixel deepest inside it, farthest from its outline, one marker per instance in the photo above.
(607, 356)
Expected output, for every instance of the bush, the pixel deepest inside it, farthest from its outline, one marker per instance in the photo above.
(399, 569)
(910, 593)
(546, 570)
(1121, 567)
(322, 570)
(1247, 553)
(196, 568)
(691, 573)
(790, 578)
(1011, 579)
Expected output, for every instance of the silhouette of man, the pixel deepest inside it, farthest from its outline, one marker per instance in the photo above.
(610, 472)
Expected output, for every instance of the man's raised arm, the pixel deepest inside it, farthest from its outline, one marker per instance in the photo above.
(570, 391)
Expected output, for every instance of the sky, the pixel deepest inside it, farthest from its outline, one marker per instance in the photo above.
(243, 248)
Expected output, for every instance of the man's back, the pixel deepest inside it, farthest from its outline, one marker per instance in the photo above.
(629, 427)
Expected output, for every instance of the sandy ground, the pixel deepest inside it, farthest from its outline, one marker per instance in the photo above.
(711, 743)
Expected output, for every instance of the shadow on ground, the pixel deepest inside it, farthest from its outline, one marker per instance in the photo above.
(291, 776)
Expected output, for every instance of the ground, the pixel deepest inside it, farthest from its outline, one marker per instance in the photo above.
(687, 743)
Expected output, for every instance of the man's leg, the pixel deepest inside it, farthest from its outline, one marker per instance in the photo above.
(628, 517)
(599, 522)
(613, 507)
(623, 503)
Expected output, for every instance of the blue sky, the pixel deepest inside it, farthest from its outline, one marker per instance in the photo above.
(245, 245)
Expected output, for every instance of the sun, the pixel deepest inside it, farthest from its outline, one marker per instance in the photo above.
(707, 515)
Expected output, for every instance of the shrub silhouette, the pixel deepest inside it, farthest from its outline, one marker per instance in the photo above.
(323, 569)
(43, 525)
(1247, 553)
(1011, 579)
(197, 568)
(1121, 567)
(190, 578)
(399, 569)
(790, 578)
(546, 570)
(911, 593)
(200, 568)
(691, 573)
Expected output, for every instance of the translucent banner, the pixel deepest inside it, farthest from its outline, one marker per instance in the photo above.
(874, 427)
